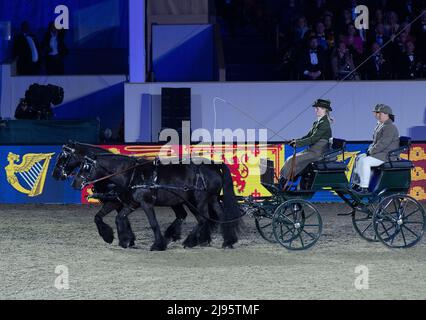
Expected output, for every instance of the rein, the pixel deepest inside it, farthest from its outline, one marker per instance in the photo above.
(116, 174)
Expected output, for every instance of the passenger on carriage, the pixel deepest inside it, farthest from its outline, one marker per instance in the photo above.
(385, 139)
(317, 141)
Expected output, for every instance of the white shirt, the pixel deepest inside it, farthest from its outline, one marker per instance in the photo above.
(33, 48)
(53, 45)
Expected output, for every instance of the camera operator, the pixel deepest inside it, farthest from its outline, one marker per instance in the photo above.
(38, 101)
(25, 112)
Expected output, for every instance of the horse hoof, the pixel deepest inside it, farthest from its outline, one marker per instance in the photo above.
(227, 246)
(107, 235)
(132, 244)
(190, 243)
(158, 247)
(124, 244)
(172, 239)
(108, 239)
(205, 244)
(176, 238)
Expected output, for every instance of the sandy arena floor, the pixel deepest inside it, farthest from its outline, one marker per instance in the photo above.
(34, 240)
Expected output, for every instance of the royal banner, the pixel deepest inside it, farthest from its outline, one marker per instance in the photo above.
(418, 175)
(243, 162)
(25, 172)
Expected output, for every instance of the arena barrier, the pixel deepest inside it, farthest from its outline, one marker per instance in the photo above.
(24, 132)
(25, 171)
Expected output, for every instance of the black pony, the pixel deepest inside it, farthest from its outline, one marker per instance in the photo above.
(150, 183)
(71, 158)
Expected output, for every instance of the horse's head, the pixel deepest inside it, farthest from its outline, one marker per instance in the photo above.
(88, 172)
(67, 161)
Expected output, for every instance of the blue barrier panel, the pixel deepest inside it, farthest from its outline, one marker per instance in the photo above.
(26, 177)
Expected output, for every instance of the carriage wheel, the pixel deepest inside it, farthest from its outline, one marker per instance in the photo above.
(363, 223)
(399, 221)
(297, 225)
(264, 225)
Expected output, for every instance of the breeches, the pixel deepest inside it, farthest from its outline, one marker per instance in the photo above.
(303, 159)
(363, 167)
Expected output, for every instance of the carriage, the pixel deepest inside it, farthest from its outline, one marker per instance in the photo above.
(386, 214)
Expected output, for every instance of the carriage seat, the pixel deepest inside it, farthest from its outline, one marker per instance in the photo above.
(329, 159)
(394, 161)
(401, 164)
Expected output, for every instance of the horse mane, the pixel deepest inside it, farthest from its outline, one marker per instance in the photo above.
(120, 156)
(91, 147)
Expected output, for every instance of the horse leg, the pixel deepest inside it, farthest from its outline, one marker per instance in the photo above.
(227, 228)
(174, 231)
(125, 235)
(130, 232)
(160, 243)
(104, 230)
(200, 234)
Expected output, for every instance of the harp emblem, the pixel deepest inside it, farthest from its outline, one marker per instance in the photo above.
(29, 176)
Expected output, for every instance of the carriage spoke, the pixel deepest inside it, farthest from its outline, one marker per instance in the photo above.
(310, 215)
(309, 234)
(414, 222)
(266, 225)
(393, 238)
(289, 230)
(411, 231)
(394, 205)
(403, 237)
(386, 230)
(387, 215)
(411, 214)
(369, 225)
(301, 241)
(404, 208)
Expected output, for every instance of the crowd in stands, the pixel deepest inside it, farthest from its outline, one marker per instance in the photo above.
(318, 39)
(34, 57)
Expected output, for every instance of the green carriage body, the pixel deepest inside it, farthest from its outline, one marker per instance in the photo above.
(371, 214)
(392, 177)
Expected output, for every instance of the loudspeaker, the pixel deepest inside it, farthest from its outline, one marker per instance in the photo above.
(175, 107)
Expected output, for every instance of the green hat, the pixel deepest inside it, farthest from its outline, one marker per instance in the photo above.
(321, 103)
(386, 109)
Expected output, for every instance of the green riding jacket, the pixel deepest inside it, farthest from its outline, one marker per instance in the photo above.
(320, 130)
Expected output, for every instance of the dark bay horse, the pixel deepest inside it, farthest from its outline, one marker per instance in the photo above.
(71, 158)
(150, 184)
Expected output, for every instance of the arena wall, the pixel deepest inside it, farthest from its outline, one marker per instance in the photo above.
(242, 161)
(283, 107)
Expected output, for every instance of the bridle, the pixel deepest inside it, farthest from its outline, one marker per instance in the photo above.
(89, 165)
(66, 153)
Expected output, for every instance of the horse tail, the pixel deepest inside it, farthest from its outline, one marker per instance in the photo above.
(231, 216)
